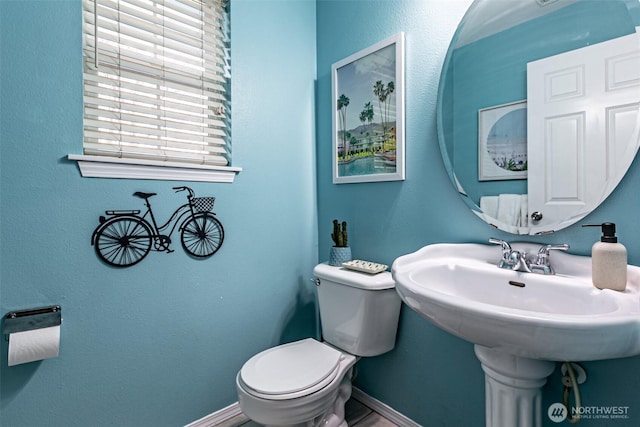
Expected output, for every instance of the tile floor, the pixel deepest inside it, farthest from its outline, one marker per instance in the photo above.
(357, 415)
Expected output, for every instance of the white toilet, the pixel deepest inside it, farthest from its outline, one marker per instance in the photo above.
(306, 383)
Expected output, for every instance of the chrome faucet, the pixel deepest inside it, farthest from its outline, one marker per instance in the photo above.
(518, 261)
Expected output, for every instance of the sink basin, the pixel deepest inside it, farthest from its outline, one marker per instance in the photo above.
(558, 317)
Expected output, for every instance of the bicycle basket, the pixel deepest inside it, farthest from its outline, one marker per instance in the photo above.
(202, 204)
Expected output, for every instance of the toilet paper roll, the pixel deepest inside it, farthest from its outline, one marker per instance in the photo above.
(37, 344)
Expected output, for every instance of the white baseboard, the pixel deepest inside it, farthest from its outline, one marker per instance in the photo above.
(385, 410)
(218, 417)
(233, 410)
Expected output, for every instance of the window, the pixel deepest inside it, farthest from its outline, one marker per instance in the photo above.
(157, 83)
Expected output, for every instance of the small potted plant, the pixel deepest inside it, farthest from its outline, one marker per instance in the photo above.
(340, 252)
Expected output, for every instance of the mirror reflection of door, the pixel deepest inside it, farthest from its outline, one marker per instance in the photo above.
(486, 68)
(582, 127)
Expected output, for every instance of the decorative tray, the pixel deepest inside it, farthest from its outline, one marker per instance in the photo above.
(364, 266)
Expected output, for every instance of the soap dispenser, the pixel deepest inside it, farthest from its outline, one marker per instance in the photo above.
(608, 259)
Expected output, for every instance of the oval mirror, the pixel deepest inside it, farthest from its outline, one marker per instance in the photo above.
(538, 108)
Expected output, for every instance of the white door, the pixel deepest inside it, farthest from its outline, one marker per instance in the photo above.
(582, 127)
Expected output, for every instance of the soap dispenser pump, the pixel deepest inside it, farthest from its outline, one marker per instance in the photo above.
(608, 259)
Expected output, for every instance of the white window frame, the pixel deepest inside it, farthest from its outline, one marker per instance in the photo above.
(132, 165)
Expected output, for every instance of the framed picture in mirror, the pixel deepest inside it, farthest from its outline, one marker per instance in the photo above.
(368, 114)
(502, 142)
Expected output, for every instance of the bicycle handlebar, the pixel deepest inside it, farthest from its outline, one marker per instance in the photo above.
(178, 189)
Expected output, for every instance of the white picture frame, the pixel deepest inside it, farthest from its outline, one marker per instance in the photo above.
(368, 138)
(502, 142)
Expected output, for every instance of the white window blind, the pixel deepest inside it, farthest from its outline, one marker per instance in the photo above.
(156, 80)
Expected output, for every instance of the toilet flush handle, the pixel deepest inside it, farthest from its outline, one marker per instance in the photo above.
(316, 281)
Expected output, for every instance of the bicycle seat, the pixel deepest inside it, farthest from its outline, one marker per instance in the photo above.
(143, 195)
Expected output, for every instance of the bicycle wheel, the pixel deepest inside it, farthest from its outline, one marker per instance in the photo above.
(202, 235)
(123, 241)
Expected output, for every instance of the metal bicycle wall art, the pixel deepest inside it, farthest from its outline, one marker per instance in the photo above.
(124, 237)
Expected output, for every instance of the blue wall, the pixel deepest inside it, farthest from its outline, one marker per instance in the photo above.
(431, 376)
(157, 344)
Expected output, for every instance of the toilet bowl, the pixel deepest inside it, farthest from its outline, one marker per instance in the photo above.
(297, 384)
(307, 382)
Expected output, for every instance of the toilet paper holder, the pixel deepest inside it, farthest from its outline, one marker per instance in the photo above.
(35, 318)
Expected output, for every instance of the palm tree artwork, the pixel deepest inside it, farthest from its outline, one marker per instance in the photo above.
(365, 133)
(380, 93)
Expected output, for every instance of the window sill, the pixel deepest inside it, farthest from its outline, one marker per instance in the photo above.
(113, 167)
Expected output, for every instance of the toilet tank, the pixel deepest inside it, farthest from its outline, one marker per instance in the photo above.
(359, 312)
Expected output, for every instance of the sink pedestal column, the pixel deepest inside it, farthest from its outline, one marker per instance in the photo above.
(513, 388)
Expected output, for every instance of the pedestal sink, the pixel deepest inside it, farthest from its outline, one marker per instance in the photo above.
(520, 323)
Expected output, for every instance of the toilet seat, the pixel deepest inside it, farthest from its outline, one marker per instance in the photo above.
(290, 370)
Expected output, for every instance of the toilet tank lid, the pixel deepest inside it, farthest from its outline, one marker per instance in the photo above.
(355, 279)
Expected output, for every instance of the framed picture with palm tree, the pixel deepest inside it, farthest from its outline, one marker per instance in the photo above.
(368, 114)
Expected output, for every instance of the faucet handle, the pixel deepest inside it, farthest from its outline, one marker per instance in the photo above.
(506, 247)
(542, 263)
(505, 262)
(543, 252)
